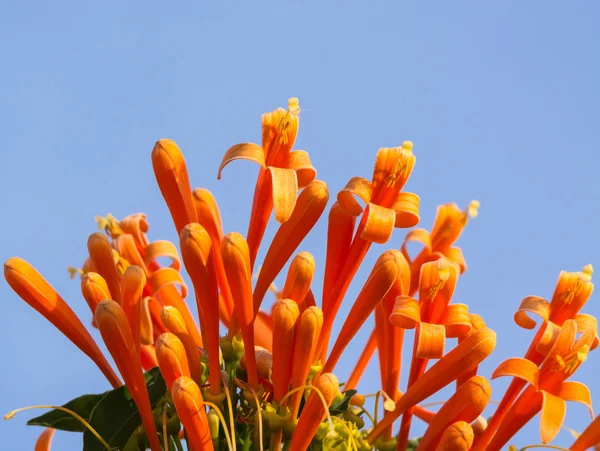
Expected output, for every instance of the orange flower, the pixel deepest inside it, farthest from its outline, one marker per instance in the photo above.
(198, 256)
(132, 285)
(33, 289)
(285, 315)
(190, 408)
(448, 225)
(117, 336)
(172, 359)
(314, 411)
(103, 262)
(458, 437)
(589, 437)
(299, 278)
(282, 171)
(45, 440)
(548, 389)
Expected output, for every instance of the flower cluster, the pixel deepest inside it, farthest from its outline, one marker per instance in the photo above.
(269, 382)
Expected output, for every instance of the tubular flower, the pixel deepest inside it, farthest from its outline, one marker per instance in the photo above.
(448, 225)
(171, 357)
(44, 442)
(458, 437)
(282, 171)
(589, 437)
(548, 388)
(190, 408)
(285, 315)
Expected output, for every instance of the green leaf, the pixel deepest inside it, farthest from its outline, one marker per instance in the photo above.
(116, 416)
(342, 405)
(64, 421)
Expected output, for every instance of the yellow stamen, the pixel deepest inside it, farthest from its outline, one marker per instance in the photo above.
(472, 209)
(74, 271)
(110, 225)
(285, 121)
(572, 361)
(586, 273)
(12, 413)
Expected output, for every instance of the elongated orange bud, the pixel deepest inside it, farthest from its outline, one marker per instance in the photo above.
(589, 437)
(94, 290)
(148, 357)
(462, 358)
(125, 245)
(309, 207)
(458, 437)
(285, 314)
(117, 336)
(45, 440)
(340, 230)
(387, 272)
(173, 321)
(146, 328)
(466, 404)
(314, 411)
(299, 277)
(132, 285)
(305, 344)
(38, 293)
(172, 178)
(103, 262)
(190, 408)
(198, 258)
(236, 259)
(171, 357)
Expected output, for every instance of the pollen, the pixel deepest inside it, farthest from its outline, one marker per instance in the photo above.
(110, 225)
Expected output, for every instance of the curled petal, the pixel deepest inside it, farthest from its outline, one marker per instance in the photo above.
(419, 235)
(39, 294)
(564, 341)
(309, 207)
(285, 315)
(243, 151)
(532, 304)
(172, 178)
(284, 186)
(300, 162)
(279, 130)
(458, 437)
(299, 277)
(436, 287)
(378, 224)
(103, 262)
(172, 359)
(165, 277)
(477, 322)
(136, 225)
(455, 255)
(547, 337)
(127, 248)
(466, 404)
(190, 409)
(386, 273)
(587, 322)
(572, 291)
(520, 368)
(576, 392)
(553, 414)
(162, 249)
(406, 207)
(117, 336)
(393, 166)
(314, 412)
(44, 441)
(456, 320)
(448, 225)
(406, 313)
(430, 341)
(357, 187)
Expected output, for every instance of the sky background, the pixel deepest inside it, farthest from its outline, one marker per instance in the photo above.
(500, 99)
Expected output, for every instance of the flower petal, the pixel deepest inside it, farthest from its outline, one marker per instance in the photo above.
(208, 213)
(243, 151)
(44, 441)
(406, 313)
(299, 277)
(172, 358)
(430, 341)
(458, 437)
(586, 322)
(94, 289)
(520, 368)
(285, 315)
(300, 162)
(589, 437)
(456, 320)
(378, 224)
(455, 255)
(532, 304)
(357, 187)
(132, 285)
(127, 248)
(159, 249)
(576, 392)
(419, 235)
(172, 178)
(279, 130)
(103, 262)
(284, 184)
(406, 207)
(393, 166)
(553, 414)
(190, 409)
(136, 225)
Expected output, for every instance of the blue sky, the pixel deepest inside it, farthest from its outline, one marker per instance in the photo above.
(500, 98)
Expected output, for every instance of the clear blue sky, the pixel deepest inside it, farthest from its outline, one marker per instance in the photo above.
(500, 98)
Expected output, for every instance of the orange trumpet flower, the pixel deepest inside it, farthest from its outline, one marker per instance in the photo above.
(285, 315)
(174, 183)
(94, 289)
(299, 278)
(589, 437)
(282, 171)
(103, 262)
(461, 359)
(132, 285)
(117, 336)
(458, 437)
(190, 408)
(198, 257)
(44, 442)
(314, 411)
(548, 389)
(466, 404)
(172, 359)
(33, 289)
